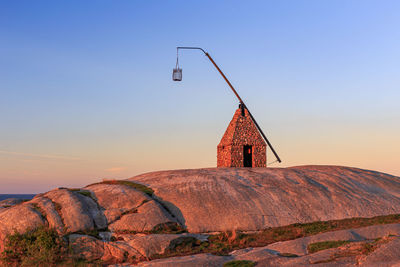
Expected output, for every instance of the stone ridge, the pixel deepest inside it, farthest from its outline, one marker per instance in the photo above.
(118, 223)
(241, 131)
(224, 199)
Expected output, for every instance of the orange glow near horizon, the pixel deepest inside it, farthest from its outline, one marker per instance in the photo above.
(34, 173)
(86, 90)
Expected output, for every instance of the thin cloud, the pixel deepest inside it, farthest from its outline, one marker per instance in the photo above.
(115, 169)
(43, 156)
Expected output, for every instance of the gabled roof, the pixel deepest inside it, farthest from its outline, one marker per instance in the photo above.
(242, 131)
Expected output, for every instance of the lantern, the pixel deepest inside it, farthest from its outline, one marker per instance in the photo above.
(177, 74)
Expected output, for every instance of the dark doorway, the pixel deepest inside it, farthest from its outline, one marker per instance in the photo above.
(247, 156)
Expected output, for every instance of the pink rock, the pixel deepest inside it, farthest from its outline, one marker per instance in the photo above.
(145, 219)
(223, 199)
(117, 199)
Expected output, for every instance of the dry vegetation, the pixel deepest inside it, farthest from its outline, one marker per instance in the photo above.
(223, 243)
(44, 245)
(318, 246)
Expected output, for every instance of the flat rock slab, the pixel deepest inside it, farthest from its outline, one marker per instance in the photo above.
(299, 246)
(385, 256)
(223, 199)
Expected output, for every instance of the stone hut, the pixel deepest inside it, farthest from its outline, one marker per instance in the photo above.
(242, 145)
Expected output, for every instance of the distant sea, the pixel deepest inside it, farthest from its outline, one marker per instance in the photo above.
(21, 196)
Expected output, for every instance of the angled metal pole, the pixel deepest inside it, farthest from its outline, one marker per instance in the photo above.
(237, 95)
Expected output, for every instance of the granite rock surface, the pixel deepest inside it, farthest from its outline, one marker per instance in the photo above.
(119, 223)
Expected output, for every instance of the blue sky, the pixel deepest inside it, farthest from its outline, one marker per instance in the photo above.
(86, 89)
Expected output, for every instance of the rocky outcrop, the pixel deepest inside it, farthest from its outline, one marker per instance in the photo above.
(385, 256)
(48, 210)
(387, 253)
(204, 260)
(144, 219)
(19, 219)
(299, 246)
(9, 202)
(116, 200)
(129, 247)
(108, 222)
(223, 199)
(122, 221)
(78, 212)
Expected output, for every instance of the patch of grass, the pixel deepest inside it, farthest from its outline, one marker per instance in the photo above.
(39, 247)
(6, 206)
(223, 243)
(356, 249)
(318, 246)
(93, 232)
(147, 190)
(183, 244)
(368, 248)
(168, 228)
(77, 262)
(239, 263)
(83, 192)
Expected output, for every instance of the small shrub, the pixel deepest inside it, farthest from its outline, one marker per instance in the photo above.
(183, 244)
(225, 242)
(83, 192)
(367, 248)
(239, 263)
(318, 246)
(39, 247)
(168, 228)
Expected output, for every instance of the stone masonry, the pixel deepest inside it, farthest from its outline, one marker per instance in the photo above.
(241, 132)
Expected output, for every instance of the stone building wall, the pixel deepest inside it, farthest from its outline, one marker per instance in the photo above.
(240, 132)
